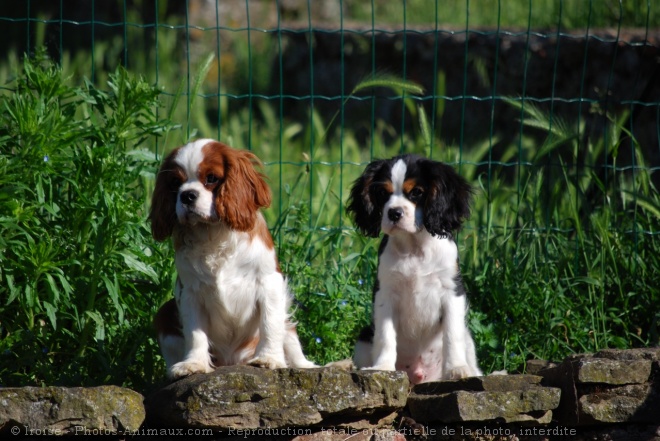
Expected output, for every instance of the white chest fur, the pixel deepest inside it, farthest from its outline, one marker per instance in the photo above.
(417, 279)
(227, 273)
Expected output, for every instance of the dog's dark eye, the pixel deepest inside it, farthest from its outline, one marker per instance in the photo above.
(212, 179)
(382, 193)
(174, 182)
(415, 194)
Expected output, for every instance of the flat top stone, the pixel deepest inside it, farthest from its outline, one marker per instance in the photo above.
(490, 383)
(250, 397)
(629, 354)
(608, 371)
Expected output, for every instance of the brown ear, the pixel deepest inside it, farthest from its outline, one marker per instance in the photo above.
(244, 191)
(163, 200)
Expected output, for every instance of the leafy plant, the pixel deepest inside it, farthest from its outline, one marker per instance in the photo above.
(327, 283)
(79, 277)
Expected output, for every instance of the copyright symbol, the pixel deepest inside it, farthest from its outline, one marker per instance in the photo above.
(15, 430)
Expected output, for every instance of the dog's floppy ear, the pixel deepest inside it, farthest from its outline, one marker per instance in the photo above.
(163, 200)
(244, 191)
(366, 212)
(448, 198)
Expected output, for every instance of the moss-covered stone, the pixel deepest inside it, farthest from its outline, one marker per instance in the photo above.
(652, 354)
(59, 410)
(491, 383)
(608, 386)
(626, 404)
(508, 398)
(616, 372)
(462, 406)
(248, 397)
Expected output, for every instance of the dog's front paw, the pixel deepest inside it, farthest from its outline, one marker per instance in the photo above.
(185, 368)
(267, 362)
(346, 365)
(304, 365)
(459, 372)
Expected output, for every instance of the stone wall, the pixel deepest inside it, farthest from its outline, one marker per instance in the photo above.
(613, 394)
(589, 75)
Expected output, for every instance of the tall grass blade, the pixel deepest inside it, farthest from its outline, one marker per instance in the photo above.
(652, 206)
(390, 82)
(200, 76)
(425, 128)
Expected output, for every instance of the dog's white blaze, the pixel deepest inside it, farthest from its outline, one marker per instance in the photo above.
(191, 155)
(408, 221)
(399, 176)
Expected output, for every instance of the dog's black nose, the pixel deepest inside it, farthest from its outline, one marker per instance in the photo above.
(394, 214)
(188, 197)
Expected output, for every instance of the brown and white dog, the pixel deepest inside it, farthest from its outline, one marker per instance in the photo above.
(419, 301)
(231, 301)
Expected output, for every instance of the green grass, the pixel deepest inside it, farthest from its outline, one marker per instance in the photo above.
(556, 258)
(568, 262)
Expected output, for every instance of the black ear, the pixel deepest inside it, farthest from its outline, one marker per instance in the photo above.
(448, 198)
(366, 213)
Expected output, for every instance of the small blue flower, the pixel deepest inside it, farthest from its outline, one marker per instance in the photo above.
(513, 354)
(360, 282)
(508, 320)
(46, 158)
(343, 303)
(44, 350)
(318, 340)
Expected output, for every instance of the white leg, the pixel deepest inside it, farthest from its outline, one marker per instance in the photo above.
(472, 356)
(384, 344)
(293, 351)
(195, 326)
(455, 334)
(272, 306)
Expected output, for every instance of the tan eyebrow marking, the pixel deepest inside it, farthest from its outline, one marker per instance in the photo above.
(408, 185)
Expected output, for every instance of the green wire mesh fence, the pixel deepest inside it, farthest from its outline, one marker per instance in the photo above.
(501, 73)
(551, 108)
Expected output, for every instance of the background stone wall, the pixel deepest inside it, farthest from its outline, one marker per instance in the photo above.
(573, 75)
